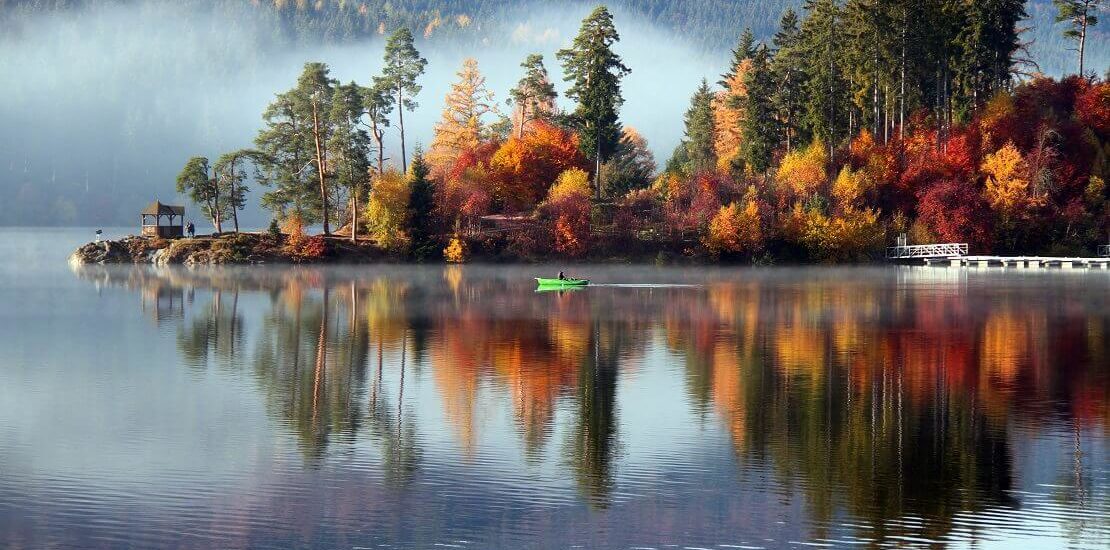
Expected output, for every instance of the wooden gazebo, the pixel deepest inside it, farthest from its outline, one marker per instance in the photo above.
(152, 220)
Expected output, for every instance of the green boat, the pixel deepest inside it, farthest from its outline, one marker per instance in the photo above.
(561, 282)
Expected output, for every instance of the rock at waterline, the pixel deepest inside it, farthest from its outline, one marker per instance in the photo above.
(103, 252)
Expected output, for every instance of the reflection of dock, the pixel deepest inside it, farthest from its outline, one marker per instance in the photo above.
(1029, 262)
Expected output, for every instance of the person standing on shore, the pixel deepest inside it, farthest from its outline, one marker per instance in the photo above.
(191, 230)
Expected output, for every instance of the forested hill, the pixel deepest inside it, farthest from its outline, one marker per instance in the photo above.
(710, 24)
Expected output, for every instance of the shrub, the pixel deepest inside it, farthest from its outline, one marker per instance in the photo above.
(455, 252)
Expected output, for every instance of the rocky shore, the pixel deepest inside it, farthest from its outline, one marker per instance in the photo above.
(235, 248)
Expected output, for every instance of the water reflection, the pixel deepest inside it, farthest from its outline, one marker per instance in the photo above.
(887, 399)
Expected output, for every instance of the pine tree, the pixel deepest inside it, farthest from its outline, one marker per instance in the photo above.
(348, 147)
(421, 207)
(761, 130)
(534, 96)
(1080, 16)
(293, 147)
(461, 127)
(699, 130)
(197, 181)
(403, 65)
(230, 171)
(312, 97)
(595, 72)
(377, 103)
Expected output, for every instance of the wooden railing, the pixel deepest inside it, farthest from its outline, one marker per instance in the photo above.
(946, 250)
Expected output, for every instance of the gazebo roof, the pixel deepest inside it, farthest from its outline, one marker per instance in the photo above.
(158, 209)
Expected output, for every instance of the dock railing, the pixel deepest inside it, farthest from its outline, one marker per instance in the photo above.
(946, 250)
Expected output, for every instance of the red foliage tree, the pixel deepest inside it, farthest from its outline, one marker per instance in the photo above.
(524, 168)
(955, 211)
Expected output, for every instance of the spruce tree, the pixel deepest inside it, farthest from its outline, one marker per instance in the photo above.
(826, 90)
(700, 130)
(421, 208)
(761, 130)
(787, 65)
(403, 65)
(744, 49)
(595, 72)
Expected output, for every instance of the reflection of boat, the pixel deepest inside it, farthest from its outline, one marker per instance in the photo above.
(559, 283)
(559, 288)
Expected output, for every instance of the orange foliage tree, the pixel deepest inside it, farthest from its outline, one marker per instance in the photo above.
(523, 168)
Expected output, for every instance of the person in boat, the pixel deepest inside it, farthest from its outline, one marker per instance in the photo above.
(562, 277)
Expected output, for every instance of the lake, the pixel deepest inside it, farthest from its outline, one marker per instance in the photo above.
(455, 406)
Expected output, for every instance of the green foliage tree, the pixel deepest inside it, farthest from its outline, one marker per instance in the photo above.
(761, 129)
(820, 42)
(377, 103)
(293, 147)
(348, 147)
(595, 71)
(421, 208)
(787, 67)
(1080, 16)
(632, 166)
(230, 171)
(533, 98)
(744, 49)
(403, 65)
(700, 130)
(197, 181)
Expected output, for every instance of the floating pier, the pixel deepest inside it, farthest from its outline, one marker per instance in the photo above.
(956, 255)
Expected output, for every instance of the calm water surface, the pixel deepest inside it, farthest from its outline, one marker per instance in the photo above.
(413, 407)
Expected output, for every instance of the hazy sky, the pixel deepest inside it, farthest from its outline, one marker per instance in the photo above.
(104, 109)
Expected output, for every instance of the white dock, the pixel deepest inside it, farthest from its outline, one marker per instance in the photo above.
(956, 254)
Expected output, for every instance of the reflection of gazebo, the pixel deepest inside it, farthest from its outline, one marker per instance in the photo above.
(155, 228)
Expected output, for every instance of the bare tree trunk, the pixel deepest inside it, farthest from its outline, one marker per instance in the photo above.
(321, 167)
(354, 213)
(1083, 37)
(401, 125)
(234, 207)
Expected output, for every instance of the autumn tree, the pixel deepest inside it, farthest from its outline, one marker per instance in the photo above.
(388, 210)
(403, 65)
(461, 127)
(568, 203)
(803, 171)
(525, 167)
(595, 72)
(533, 98)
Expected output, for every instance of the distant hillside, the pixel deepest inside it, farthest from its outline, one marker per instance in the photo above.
(710, 24)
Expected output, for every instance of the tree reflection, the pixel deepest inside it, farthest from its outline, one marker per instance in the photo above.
(877, 399)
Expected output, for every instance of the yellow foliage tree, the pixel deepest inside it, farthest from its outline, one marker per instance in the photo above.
(388, 209)
(803, 170)
(735, 228)
(728, 116)
(461, 127)
(456, 251)
(571, 182)
(1007, 189)
(849, 187)
(852, 235)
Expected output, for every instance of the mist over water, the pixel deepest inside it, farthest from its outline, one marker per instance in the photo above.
(103, 108)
